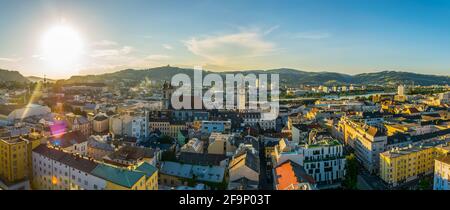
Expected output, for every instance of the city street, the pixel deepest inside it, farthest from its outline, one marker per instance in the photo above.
(362, 184)
(367, 181)
(415, 184)
(265, 180)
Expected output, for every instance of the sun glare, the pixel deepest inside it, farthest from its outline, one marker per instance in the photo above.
(62, 46)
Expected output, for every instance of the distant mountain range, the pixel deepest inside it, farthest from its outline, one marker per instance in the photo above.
(287, 76)
(290, 77)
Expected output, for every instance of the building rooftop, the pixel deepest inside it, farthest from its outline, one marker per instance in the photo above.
(218, 137)
(12, 140)
(95, 143)
(123, 177)
(130, 153)
(306, 127)
(397, 152)
(204, 159)
(100, 118)
(73, 161)
(201, 173)
(325, 142)
(147, 168)
(373, 131)
(289, 174)
(444, 159)
(209, 173)
(68, 139)
(80, 120)
(176, 169)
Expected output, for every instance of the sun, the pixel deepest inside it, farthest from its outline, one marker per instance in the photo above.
(62, 46)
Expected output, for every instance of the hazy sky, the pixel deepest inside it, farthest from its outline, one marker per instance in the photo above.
(336, 35)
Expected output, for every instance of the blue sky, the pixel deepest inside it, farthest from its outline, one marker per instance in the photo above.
(317, 35)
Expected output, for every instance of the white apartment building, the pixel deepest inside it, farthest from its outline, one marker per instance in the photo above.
(130, 124)
(254, 119)
(322, 157)
(140, 126)
(56, 170)
(120, 125)
(324, 160)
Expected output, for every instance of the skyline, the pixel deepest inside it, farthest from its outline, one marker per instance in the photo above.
(348, 37)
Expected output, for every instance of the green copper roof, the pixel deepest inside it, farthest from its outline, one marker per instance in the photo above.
(123, 177)
(146, 168)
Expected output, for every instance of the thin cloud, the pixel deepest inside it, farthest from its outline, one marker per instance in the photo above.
(125, 50)
(11, 60)
(105, 43)
(157, 57)
(124, 62)
(271, 29)
(223, 48)
(37, 56)
(167, 47)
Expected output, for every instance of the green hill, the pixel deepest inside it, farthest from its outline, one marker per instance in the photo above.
(11, 76)
(393, 77)
(287, 76)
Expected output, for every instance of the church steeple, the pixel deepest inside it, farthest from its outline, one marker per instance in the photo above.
(167, 94)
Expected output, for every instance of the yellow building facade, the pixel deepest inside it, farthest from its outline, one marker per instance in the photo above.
(15, 157)
(175, 128)
(402, 165)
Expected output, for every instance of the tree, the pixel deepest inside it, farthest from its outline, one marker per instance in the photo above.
(168, 156)
(425, 184)
(351, 176)
(166, 140)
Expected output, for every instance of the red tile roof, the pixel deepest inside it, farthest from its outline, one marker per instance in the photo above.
(290, 173)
